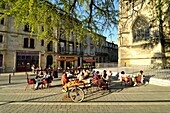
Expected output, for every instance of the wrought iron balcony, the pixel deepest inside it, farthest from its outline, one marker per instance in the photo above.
(70, 52)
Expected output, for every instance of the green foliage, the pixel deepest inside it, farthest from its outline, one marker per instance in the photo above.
(95, 16)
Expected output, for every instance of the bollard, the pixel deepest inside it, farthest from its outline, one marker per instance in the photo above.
(26, 74)
(9, 78)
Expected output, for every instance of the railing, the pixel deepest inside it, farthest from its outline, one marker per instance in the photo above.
(71, 52)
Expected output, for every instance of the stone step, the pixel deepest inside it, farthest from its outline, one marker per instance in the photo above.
(159, 82)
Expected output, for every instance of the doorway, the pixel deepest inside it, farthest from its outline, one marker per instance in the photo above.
(49, 60)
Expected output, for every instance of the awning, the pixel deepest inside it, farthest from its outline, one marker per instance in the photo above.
(89, 60)
(61, 59)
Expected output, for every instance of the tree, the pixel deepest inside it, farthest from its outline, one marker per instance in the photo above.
(94, 16)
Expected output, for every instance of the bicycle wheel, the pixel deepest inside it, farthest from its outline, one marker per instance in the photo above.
(77, 94)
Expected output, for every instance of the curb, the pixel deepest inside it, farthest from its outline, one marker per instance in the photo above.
(159, 82)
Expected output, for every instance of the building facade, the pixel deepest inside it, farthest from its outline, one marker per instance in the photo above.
(143, 39)
(19, 50)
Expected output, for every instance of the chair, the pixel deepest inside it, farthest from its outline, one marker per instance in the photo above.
(47, 82)
(139, 80)
(125, 80)
(99, 84)
(30, 82)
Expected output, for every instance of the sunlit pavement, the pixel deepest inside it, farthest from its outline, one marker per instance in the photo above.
(141, 99)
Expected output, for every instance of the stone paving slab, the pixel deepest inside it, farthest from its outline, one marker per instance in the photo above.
(142, 99)
(82, 108)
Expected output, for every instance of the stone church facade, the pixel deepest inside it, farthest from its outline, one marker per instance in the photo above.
(143, 38)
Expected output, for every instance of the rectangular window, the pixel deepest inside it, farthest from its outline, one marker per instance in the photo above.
(142, 33)
(31, 43)
(27, 28)
(25, 42)
(70, 48)
(2, 21)
(42, 28)
(1, 38)
(134, 36)
(1, 60)
(147, 32)
(62, 47)
(42, 42)
(138, 35)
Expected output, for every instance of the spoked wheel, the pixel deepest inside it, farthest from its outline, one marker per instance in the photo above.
(77, 94)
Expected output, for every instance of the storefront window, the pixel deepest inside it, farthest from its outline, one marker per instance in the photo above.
(25, 60)
(28, 57)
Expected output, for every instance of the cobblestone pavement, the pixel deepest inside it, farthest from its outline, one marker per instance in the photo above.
(141, 99)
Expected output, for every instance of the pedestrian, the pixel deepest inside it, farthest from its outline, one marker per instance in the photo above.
(33, 68)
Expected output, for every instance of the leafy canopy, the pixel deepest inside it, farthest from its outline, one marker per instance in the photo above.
(82, 16)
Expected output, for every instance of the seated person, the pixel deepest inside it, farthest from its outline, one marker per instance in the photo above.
(80, 76)
(64, 78)
(86, 78)
(104, 76)
(139, 78)
(96, 77)
(47, 79)
(124, 77)
(64, 81)
(86, 74)
(39, 80)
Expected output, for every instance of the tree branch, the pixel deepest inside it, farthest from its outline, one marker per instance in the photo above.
(73, 5)
(90, 15)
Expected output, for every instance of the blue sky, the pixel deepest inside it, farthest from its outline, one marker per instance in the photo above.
(113, 37)
(115, 30)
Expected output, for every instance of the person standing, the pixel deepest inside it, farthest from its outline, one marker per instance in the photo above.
(33, 68)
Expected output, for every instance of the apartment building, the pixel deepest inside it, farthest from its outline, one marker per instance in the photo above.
(19, 50)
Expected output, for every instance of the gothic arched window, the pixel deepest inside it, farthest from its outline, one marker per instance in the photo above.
(140, 29)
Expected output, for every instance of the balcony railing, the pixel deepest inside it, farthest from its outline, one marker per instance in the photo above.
(70, 53)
